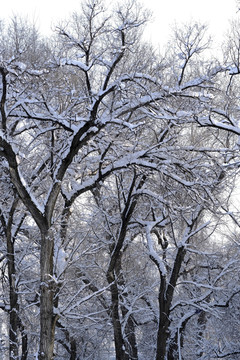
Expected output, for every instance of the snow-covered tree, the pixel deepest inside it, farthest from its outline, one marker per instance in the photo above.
(112, 165)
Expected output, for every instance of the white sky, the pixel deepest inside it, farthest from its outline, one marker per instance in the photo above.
(216, 13)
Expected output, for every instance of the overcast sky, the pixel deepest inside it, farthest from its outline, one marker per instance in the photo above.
(216, 13)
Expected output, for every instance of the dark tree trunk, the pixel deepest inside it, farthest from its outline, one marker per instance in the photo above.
(165, 298)
(130, 338)
(48, 288)
(117, 329)
(130, 343)
(73, 349)
(13, 314)
(24, 344)
(15, 323)
(164, 322)
(173, 350)
(114, 271)
(13, 296)
(201, 327)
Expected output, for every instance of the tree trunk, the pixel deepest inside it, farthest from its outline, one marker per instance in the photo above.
(129, 336)
(165, 298)
(125, 350)
(73, 348)
(201, 327)
(24, 341)
(117, 329)
(48, 286)
(177, 341)
(164, 322)
(130, 341)
(13, 314)
(13, 296)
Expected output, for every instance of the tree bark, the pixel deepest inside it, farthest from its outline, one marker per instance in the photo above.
(130, 342)
(117, 329)
(24, 341)
(15, 322)
(165, 298)
(164, 322)
(13, 297)
(47, 291)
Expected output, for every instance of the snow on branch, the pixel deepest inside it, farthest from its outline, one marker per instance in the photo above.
(79, 64)
(209, 121)
(19, 182)
(151, 251)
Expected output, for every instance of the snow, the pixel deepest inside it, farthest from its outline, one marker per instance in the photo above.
(233, 70)
(60, 259)
(79, 64)
(30, 193)
(152, 253)
(21, 65)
